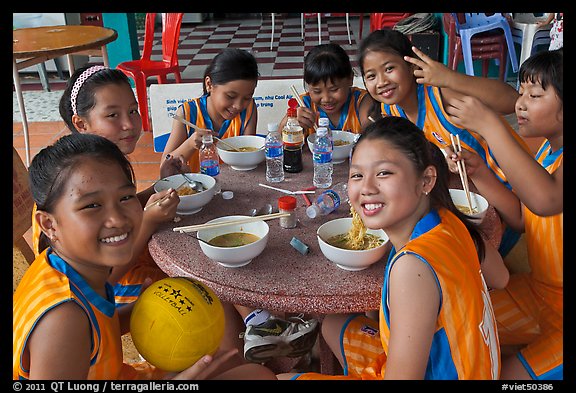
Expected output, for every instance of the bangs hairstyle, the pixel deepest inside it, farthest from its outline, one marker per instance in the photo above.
(232, 64)
(327, 62)
(546, 68)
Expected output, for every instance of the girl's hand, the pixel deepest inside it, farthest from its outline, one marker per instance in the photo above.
(429, 71)
(473, 161)
(172, 166)
(470, 113)
(204, 367)
(196, 137)
(164, 211)
(306, 117)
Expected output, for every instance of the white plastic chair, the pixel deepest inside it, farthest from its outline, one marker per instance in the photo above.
(478, 23)
(319, 16)
(528, 34)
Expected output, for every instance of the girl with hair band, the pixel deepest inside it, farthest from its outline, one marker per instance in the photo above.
(226, 108)
(430, 325)
(410, 84)
(65, 323)
(328, 82)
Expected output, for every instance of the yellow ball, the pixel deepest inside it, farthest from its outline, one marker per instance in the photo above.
(175, 322)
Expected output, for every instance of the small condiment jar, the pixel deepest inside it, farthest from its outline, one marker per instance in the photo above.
(287, 204)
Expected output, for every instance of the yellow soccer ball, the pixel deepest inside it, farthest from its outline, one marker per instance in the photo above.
(175, 322)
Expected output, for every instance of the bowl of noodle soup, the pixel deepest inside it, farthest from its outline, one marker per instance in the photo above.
(191, 201)
(350, 245)
(479, 204)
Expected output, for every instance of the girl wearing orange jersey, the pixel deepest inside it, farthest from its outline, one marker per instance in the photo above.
(410, 84)
(328, 78)
(430, 325)
(65, 323)
(226, 108)
(530, 310)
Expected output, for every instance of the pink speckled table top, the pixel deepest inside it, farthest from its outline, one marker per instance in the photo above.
(279, 279)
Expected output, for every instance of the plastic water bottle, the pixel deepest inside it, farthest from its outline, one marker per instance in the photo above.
(274, 155)
(329, 201)
(209, 160)
(322, 159)
(325, 122)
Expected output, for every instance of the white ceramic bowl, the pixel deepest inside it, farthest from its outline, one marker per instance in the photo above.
(189, 204)
(244, 160)
(353, 260)
(234, 256)
(341, 152)
(479, 203)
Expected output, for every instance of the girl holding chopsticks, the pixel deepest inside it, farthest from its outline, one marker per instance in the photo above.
(529, 311)
(226, 108)
(435, 317)
(328, 78)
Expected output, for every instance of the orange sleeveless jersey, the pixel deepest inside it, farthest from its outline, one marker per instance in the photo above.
(437, 127)
(465, 343)
(530, 309)
(50, 281)
(127, 289)
(196, 112)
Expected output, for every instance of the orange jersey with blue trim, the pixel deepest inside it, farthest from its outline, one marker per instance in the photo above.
(128, 288)
(437, 127)
(349, 113)
(48, 282)
(196, 112)
(465, 343)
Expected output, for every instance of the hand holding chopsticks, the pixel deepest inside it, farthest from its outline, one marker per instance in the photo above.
(158, 201)
(194, 126)
(457, 147)
(264, 217)
(300, 102)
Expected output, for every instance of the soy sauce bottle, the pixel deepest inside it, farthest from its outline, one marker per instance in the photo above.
(292, 140)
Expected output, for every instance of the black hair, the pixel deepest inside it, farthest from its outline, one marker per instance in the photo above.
(386, 40)
(327, 62)
(51, 167)
(85, 100)
(411, 141)
(231, 64)
(546, 67)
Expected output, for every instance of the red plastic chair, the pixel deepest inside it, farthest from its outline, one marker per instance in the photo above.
(485, 46)
(140, 70)
(381, 20)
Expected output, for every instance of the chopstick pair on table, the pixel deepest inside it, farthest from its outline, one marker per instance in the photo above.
(457, 147)
(264, 217)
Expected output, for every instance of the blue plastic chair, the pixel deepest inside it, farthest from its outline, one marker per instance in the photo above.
(478, 23)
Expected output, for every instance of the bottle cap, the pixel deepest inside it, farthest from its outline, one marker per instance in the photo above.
(287, 203)
(272, 127)
(207, 138)
(227, 195)
(312, 211)
(293, 103)
(323, 122)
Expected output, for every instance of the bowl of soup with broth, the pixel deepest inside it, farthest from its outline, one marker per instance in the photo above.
(234, 245)
(250, 155)
(349, 247)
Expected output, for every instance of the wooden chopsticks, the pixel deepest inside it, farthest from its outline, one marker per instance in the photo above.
(457, 147)
(300, 102)
(265, 217)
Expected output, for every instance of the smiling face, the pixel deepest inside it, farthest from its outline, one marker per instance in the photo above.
(385, 189)
(97, 218)
(229, 99)
(115, 116)
(330, 95)
(388, 77)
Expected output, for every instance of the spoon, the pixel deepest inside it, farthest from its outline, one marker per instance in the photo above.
(195, 185)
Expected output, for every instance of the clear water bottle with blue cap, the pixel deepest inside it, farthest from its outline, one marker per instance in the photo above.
(322, 159)
(274, 155)
(209, 160)
(329, 201)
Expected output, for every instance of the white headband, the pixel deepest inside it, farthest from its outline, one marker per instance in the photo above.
(79, 82)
